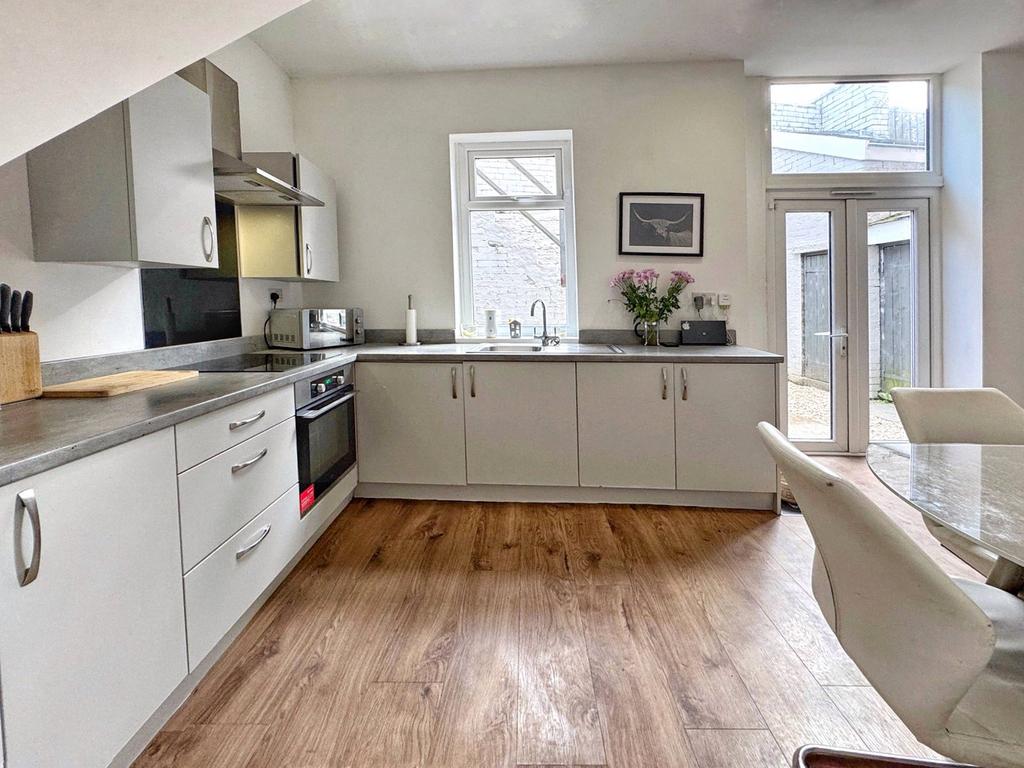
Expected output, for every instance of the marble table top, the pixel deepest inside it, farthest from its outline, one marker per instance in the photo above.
(975, 490)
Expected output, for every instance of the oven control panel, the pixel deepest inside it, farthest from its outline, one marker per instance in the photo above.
(329, 383)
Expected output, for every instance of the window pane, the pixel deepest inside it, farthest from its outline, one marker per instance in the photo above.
(517, 258)
(515, 176)
(891, 302)
(849, 127)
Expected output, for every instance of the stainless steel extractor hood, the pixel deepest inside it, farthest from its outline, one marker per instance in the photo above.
(235, 180)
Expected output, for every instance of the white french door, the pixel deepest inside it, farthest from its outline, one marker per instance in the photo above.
(852, 315)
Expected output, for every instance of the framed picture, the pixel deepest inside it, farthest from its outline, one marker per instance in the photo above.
(661, 224)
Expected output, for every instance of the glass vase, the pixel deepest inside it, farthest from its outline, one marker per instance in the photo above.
(650, 333)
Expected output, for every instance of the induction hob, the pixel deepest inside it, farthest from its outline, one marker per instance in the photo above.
(271, 361)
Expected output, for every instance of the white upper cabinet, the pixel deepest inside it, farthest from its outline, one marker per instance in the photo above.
(627, 433)
(318, 226)
(410, 426)
(132, 186)
(718, 407)
(93, 644)
(521, 423)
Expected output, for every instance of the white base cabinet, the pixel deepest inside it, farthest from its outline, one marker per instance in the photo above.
(410, 424)
(92, 646)
(718, 407)
(521, 424)
(626, 425)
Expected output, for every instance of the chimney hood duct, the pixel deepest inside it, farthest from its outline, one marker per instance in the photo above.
(236, 181)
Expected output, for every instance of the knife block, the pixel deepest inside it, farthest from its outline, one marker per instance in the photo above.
(20, 375)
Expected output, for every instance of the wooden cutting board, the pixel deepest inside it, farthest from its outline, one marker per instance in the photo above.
(117, 384)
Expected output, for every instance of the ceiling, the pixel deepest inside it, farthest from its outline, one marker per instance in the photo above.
(773, 37)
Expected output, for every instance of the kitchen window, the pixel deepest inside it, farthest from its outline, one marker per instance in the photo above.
(512, 206)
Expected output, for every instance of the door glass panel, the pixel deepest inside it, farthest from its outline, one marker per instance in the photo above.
(809, 276)
(891, 311)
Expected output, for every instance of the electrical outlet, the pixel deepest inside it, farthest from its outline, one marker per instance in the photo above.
(725, 299)
(278, 290)
(710, 299)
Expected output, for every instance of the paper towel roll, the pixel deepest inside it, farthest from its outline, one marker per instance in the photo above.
(410, 326)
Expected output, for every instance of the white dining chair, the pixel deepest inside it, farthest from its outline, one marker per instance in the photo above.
(985, 416)
(947, 655)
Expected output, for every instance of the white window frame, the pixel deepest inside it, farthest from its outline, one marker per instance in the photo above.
(464, 148)
(852, 181)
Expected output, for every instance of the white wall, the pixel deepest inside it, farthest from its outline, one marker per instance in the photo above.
(61, 62)
(962, 213)
(87, 309)
(678, 127)
(1002, 165)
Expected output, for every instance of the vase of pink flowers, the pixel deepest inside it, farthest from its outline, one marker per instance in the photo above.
(639, 290)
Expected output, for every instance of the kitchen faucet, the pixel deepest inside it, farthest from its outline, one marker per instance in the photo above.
(545, 340)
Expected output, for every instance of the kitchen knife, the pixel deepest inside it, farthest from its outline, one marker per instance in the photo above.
(16, 311)
(26, 310)
(5, 308)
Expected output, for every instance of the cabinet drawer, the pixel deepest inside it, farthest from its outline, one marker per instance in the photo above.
(219, 496)
(208, 435)
(224, 585)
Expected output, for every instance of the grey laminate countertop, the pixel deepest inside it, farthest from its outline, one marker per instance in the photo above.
(37, 435)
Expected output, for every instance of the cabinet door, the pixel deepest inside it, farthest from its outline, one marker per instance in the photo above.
(627, 431)
(94, 645)
(172, 175)
(718, 407)
(318, 252)
(410, 425)
(521, 423)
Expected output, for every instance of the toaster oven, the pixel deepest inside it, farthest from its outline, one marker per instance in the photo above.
(315, 328)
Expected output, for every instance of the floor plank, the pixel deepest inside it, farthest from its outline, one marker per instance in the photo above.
(210, 746)
(558, 719)
(395, 726)
(736, 749)
(594, 555)
(880, 729)
(496, 545)
(641, 722)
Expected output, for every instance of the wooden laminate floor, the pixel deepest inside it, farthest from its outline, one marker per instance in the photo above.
(455, 634)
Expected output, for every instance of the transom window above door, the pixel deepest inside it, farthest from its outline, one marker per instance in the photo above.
(512, 206)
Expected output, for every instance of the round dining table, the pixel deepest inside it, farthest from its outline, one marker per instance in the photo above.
(975, 490)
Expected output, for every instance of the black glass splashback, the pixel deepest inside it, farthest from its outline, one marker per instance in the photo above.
(183, 306)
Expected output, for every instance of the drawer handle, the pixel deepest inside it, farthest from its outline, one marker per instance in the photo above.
(26, 501)
(455, 391)
(261, 534)
(686, 388)
(248, 462)
(472, 381)
(664, 383)
(244, 422)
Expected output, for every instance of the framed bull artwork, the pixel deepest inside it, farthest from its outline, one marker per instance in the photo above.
(661, 224)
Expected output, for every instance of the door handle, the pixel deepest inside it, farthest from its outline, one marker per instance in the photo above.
(472, 381)
(248, 462)
(207, 228)
(260, 536)
(686, 389)
(26, 502)
(455, 390)
(840, 334)
(664, 383)
(309, 259)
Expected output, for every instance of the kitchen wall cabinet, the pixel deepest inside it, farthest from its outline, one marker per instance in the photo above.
(285, 242)
(718, 407)
(410, 424)
(132, 186)
(626, 425)
(92, 646)
(521, 423)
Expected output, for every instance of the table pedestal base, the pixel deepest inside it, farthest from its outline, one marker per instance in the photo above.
(1007, 576)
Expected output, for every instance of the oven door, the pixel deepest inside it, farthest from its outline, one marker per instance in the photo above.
(326, 436)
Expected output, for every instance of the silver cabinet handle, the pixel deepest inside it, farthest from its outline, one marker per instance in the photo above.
(686, 393)
(26, 500)
(248, 462)
(207, 229)
(309, 259)
(246, 421)
(472, 381)
(455, 389)
(261, 534)
(664, 383)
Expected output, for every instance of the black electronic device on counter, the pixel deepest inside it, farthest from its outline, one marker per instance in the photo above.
(702, 332)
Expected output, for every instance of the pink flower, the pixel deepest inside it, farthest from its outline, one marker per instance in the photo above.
(679, 276)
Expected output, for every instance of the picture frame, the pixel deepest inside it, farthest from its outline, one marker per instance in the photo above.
(661, 224)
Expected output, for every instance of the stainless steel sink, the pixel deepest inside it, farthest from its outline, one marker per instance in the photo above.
(506, 348)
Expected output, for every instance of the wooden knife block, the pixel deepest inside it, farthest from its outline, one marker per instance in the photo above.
(20, 375)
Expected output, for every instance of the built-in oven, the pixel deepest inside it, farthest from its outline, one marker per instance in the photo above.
(325, 421)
